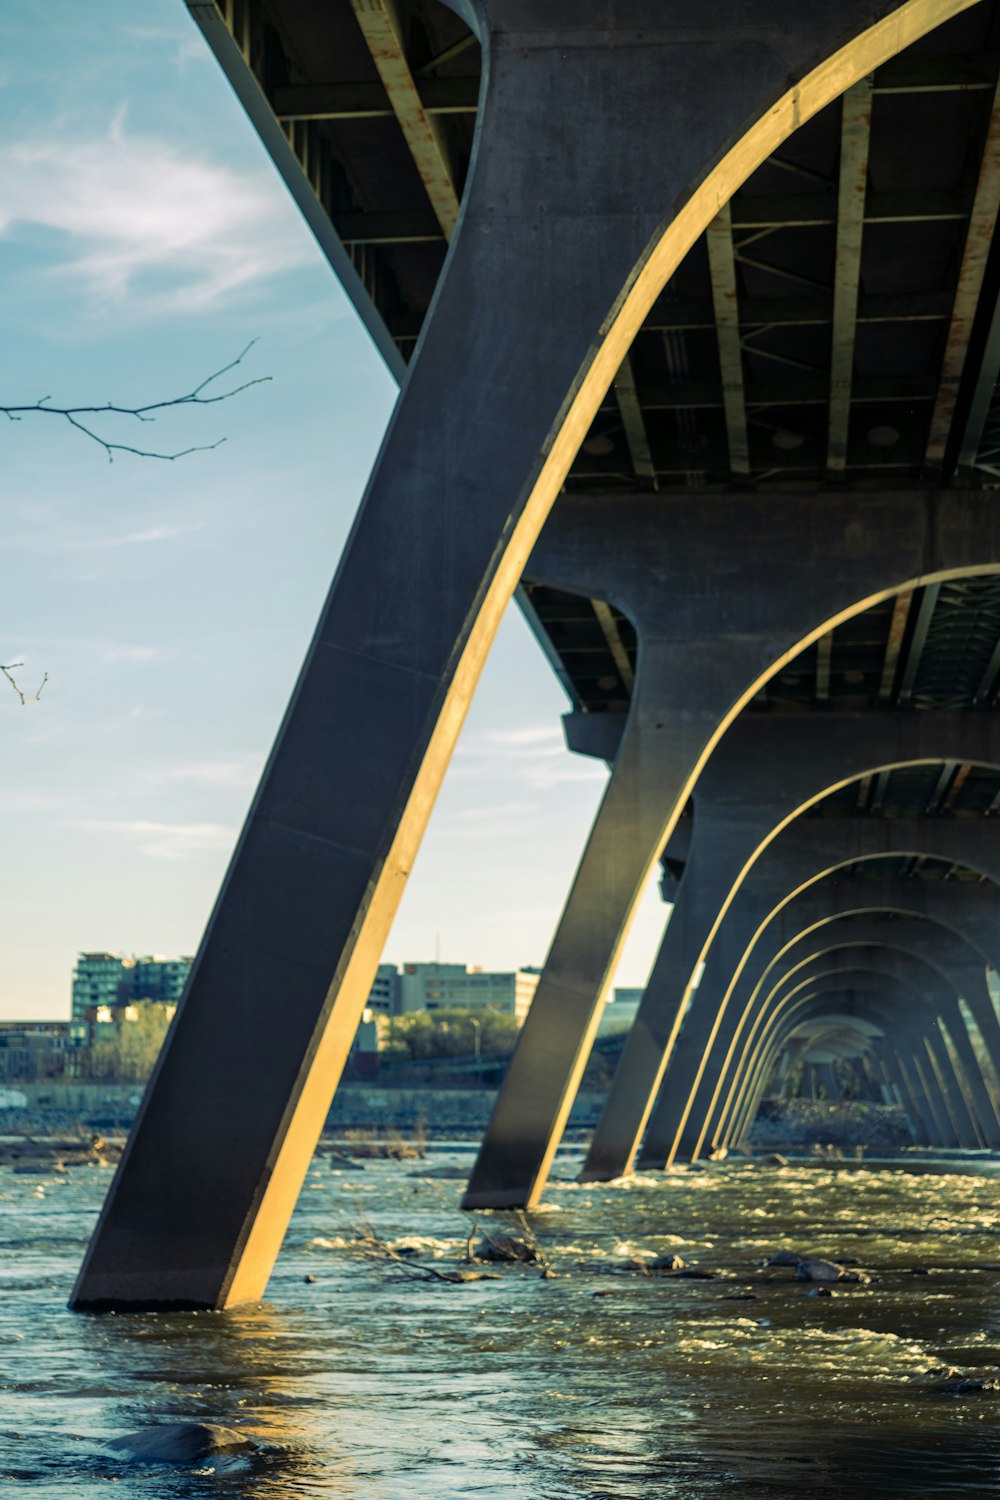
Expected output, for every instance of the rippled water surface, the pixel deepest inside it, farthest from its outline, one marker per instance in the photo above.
(594, 1381)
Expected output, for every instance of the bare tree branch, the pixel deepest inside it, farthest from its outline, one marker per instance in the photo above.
(8, 672)
(75, 415)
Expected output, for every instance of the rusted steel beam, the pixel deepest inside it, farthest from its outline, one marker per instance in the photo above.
(382, 31)
(961, 777)
(897, 630)
(609, 627)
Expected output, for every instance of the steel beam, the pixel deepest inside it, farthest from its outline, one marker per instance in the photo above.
(370, 101)
(632, 421)
(725, 300)
(923, 624)
(894, 642)
(855, 132)
(382, 30)
(609, 628)
(970, 279)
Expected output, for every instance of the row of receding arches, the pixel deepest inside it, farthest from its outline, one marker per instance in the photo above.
(574, 219)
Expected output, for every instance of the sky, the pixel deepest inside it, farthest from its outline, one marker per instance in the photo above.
(145, 241)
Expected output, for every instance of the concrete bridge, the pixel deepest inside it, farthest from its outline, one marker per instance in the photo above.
(695, 315)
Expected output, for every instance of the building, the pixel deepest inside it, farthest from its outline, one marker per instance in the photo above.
(438, 986)
(113, 980)
(163, 979)
(619, 1012)
(99, 979)
(34, 1050)
(383, 998)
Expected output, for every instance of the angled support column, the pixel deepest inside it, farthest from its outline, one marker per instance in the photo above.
(900, 1088)
(741, 805)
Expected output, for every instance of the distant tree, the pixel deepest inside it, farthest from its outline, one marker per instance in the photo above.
(427, 1034)
(130, 1055)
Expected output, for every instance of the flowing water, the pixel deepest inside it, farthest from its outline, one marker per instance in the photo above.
(596, 1381)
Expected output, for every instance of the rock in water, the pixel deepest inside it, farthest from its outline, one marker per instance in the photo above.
(818, 1270)
(785, 1258)
(183, 1443)
(505, 1247)
(666, 1262)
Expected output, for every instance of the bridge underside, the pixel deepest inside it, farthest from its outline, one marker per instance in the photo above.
(698, 340)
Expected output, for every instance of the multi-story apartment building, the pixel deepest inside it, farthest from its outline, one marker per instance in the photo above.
(112, 980)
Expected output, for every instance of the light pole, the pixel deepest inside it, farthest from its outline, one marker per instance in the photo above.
(476, 1053)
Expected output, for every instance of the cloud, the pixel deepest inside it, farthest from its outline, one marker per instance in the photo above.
(240, 773)
(110, 654)
(168, 840)
(187, 49)
(148, 535)
(141, 220)
(533, 755)
(536, 737)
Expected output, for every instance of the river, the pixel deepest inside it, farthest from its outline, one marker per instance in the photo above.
(595, 1382)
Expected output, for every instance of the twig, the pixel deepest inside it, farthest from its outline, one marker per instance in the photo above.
(8, 672)
(377, 1249)
(530, 1237)
(148, 413)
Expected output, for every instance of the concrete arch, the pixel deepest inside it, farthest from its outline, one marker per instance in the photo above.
(795, 865)
(709, 636)
(936, 1084)
(972, 1109)
(739, 812)
(923, 1082)
(792, 980)
(924, 1126)
(834, 993)
(823, 933)
(890, 951)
